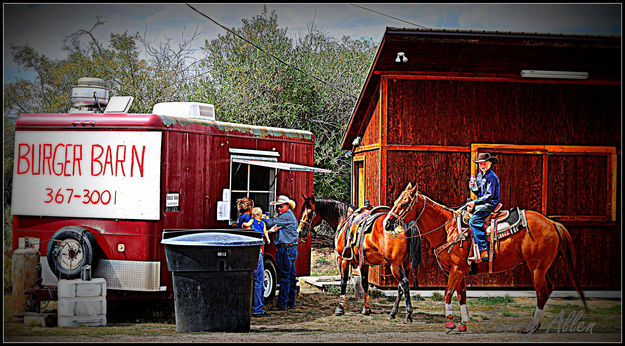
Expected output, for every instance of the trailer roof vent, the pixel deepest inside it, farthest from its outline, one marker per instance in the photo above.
(185, 109)
(90, 95)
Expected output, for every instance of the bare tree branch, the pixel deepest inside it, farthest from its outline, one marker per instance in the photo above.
(77, 34)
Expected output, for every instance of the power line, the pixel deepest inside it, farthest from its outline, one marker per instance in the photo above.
(271, 55)
(386, 15)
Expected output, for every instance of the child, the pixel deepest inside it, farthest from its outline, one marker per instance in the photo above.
(244, 205)
(258, 225)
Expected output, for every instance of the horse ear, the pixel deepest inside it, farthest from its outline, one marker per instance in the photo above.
(414, 189)
(409, 186)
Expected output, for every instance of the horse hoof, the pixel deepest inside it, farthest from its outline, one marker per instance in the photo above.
(408, 319)
(339, 311)
(450, 325)
(532, 328)
(366, 311)
(391, 317)
(462, 328)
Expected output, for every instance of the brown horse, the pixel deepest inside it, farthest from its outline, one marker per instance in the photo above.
(377, 247)
(537, 247)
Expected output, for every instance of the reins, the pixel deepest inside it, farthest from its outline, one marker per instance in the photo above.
(414, 222)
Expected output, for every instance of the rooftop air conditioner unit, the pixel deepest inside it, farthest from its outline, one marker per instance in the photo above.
(185, 109)
(90, 95)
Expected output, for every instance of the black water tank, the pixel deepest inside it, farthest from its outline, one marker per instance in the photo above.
(213, 279)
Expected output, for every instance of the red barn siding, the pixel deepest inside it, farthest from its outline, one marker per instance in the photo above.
(461, 113)
(558, 141)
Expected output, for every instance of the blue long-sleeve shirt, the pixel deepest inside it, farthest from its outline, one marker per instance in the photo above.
(288, 233)
(486, 190)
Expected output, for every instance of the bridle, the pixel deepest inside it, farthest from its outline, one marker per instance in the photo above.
(400, 218)
(414, 222)
(308, 223)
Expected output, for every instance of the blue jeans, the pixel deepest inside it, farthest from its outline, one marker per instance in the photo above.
(259, 276)
(285, 256)
(477, 228)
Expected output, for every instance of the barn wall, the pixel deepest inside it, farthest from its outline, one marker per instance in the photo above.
(450, 116)
(461, 112)
(371, 135)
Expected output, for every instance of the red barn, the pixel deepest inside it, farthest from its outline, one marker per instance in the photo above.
(548, 106)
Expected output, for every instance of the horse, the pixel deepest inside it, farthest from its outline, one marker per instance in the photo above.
(314, 210)
(375, 248)
(537, 247)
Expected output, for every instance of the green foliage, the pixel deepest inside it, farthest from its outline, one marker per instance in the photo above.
(323, 260)
(437, 296)
(7, 250)
(7, 164)
(491, 300)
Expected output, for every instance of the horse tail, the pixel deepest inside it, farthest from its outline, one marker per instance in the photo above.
(414, 245)
(566, 251)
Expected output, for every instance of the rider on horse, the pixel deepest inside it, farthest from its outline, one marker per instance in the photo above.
(486, 188)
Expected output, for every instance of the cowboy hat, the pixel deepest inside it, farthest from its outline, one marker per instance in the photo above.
(486, 157)
(282, 199)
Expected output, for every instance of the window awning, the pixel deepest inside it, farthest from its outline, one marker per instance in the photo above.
(281, 165)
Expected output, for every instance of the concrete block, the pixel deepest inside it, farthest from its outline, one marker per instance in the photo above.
(92, 288)
(33, 319)
(81, 306)
(79, 288)
(73, 321)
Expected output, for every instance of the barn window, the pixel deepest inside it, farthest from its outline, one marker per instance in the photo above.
(566, 183)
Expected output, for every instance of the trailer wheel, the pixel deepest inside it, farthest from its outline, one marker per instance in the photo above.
(270, 280)
(69, 250)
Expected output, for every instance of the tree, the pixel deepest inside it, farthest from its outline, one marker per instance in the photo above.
(247, 85)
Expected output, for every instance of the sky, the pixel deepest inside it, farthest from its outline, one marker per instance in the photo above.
(43, 26)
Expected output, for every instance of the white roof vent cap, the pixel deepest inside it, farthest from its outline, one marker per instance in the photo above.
(185, 110)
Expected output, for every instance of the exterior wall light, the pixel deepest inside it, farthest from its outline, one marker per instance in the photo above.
(401, 57)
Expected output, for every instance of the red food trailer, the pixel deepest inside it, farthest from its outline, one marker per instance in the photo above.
(102, 187)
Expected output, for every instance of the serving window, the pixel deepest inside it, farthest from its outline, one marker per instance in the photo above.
(253, 181)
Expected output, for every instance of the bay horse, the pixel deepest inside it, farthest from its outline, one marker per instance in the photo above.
(536, 247)
(377, 247)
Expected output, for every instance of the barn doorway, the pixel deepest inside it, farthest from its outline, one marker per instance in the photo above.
(359, 183)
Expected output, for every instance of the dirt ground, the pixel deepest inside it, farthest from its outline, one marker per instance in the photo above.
(496, 319)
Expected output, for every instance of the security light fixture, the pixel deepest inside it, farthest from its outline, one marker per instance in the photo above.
(554, 74)
(401, 57)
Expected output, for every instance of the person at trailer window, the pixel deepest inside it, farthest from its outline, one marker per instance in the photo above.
(244, 205)
(258, 225)
(486, 187)
(285, 224)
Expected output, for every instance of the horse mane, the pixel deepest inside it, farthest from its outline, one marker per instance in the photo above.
(438, 205)
(330, 208)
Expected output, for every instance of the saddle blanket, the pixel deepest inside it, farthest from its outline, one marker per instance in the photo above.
(514, 222)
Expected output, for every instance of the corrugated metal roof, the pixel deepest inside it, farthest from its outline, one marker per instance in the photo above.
(496, 32)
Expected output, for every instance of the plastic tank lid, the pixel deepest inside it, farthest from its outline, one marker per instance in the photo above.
(212, 239)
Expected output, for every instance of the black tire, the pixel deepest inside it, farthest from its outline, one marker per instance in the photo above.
(69, 250)
(270, 280)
